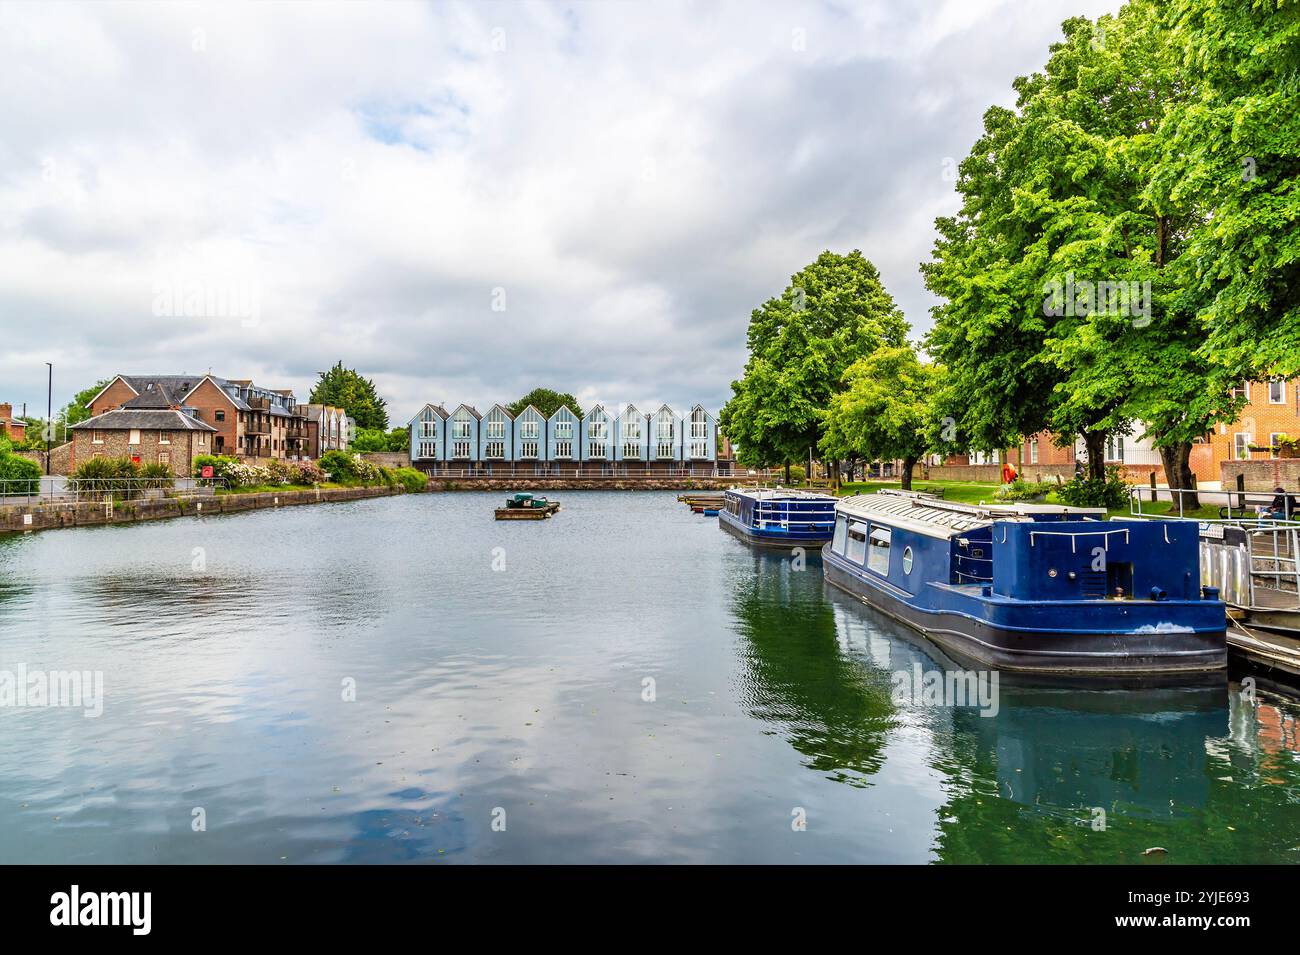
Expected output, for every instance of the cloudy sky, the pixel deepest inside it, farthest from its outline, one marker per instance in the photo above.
(464, 202)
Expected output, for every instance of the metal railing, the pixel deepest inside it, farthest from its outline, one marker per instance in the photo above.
(80, 490)
(522, 469)
(1272, 557)
(1243, 502)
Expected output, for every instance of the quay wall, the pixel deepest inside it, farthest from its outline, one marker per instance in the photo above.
(528, 483)
(388, 459)
(42, 515)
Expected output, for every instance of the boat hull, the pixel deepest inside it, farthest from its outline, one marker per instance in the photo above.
(769, 538)
(1058, 651)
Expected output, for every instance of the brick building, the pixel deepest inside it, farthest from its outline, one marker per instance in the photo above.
(15, 429)
(247, 421)
(1272, 411)
(150, 428)
(328, 429)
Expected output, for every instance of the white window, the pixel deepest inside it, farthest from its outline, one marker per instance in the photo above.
(1273, 439)
(528, 429)
(164, 437)
(462, 424)
(1115, 448)
(1243, 391)
(203, 439)
(699, 424)
(97, 436)
(428, 449)
(460, 449)
(564, 430)
(597, 429)
(632, 451)
(1033, 451)
(165, 458)
(1277, 392)
(857, 551)
(134, 437)
(564, 449)
(1241, 442)
(664, 450)
(878, 558)
(496, 424)
(428, 428)
(496, 449)
(841, 535)
(528, 449)
(985, 457)
(597, 451)
(699, 449)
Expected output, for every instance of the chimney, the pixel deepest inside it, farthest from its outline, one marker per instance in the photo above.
(6, 411)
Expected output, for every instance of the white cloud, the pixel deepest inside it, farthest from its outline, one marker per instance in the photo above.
(636, 177)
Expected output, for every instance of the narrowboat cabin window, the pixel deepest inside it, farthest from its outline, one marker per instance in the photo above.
(907, 560)
(857, 552)
(878, 559)
(841, 534)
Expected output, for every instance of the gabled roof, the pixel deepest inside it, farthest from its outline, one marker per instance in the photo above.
(666, 408)
(630, 407)
(533, 409)
(155, 396)
(593, 409)
(470, 408)
(503, 409)
(439, 410)
(700, 407)
(573, 414)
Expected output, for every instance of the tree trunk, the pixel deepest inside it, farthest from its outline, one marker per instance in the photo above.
(1177, 460)
(787, 474)
(1095, 443)
(908, 464)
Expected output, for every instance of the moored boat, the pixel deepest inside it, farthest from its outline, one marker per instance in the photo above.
(778, 517)
(1032, 587)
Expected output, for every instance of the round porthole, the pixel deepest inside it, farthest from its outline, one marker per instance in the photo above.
(907, 560)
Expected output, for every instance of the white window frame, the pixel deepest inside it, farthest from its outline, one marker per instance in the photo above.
(700, 449)
(564, 449)
(495, 450)
(528, 448)
(699, 425)
(496, 426)
(1240, 448)
(460, 449)
(564, 430)
(1280, 385)
(598, 451)
(1272, 442)
(529, 429)
(878, 547)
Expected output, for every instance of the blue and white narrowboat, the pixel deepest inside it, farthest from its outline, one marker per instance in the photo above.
(778, 517)
(1032, 587)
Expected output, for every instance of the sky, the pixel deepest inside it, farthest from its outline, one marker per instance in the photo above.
(465, 202)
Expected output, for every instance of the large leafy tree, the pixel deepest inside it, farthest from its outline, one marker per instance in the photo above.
(833, 313)
(344, 388)
(1067, 304)
(546, 401)
(886, 411)
(78, 409)
(1231, 151)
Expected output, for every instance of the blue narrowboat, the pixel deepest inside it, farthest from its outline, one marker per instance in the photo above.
(1032, 587)
(778, 517)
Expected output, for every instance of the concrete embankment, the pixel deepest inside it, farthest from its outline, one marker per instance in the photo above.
(521, 482)
(41, 515)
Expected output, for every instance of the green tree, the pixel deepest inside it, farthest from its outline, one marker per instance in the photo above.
(1231, 151)
(344, 388)
(833, 313)
(546, 401)
(886, 411)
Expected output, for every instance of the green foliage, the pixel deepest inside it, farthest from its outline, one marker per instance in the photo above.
(546, 401)
(833, 313)
(78, 409)
(118, 477)
(375, 439)
(20, 475)
(344, 388)
(798, 474)
(1110, 492)
(342, 466)
(414, 481)
(886, 411)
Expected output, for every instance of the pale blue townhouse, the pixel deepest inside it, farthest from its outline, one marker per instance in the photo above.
(599, 442)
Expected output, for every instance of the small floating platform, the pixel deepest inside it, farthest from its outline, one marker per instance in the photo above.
(525, 507)
(1275, 651)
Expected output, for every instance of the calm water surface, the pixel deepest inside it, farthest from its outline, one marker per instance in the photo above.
(227, 646)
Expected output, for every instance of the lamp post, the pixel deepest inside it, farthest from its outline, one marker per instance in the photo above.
(49, 417)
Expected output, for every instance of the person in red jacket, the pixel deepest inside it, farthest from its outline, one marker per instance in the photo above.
(1008, 473)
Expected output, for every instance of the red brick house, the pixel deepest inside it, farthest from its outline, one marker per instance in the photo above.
(12, 428)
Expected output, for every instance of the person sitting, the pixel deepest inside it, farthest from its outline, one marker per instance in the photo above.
(1280, 508)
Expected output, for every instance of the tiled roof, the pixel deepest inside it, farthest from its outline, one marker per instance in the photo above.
(124, 419)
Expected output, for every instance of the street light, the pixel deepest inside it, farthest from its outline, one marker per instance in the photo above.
(49, 417)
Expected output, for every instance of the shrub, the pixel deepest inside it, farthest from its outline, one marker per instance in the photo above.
(1110, 493)
(156, 476)
(115, 476)
(20, 475)
(411, 479)
(1022, 490)
(798, 473)
(307, 474)
(280, 472)
(340, 466)
(231, 472)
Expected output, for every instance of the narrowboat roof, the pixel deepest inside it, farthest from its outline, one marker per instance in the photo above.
(930, 515)
(780, 494)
